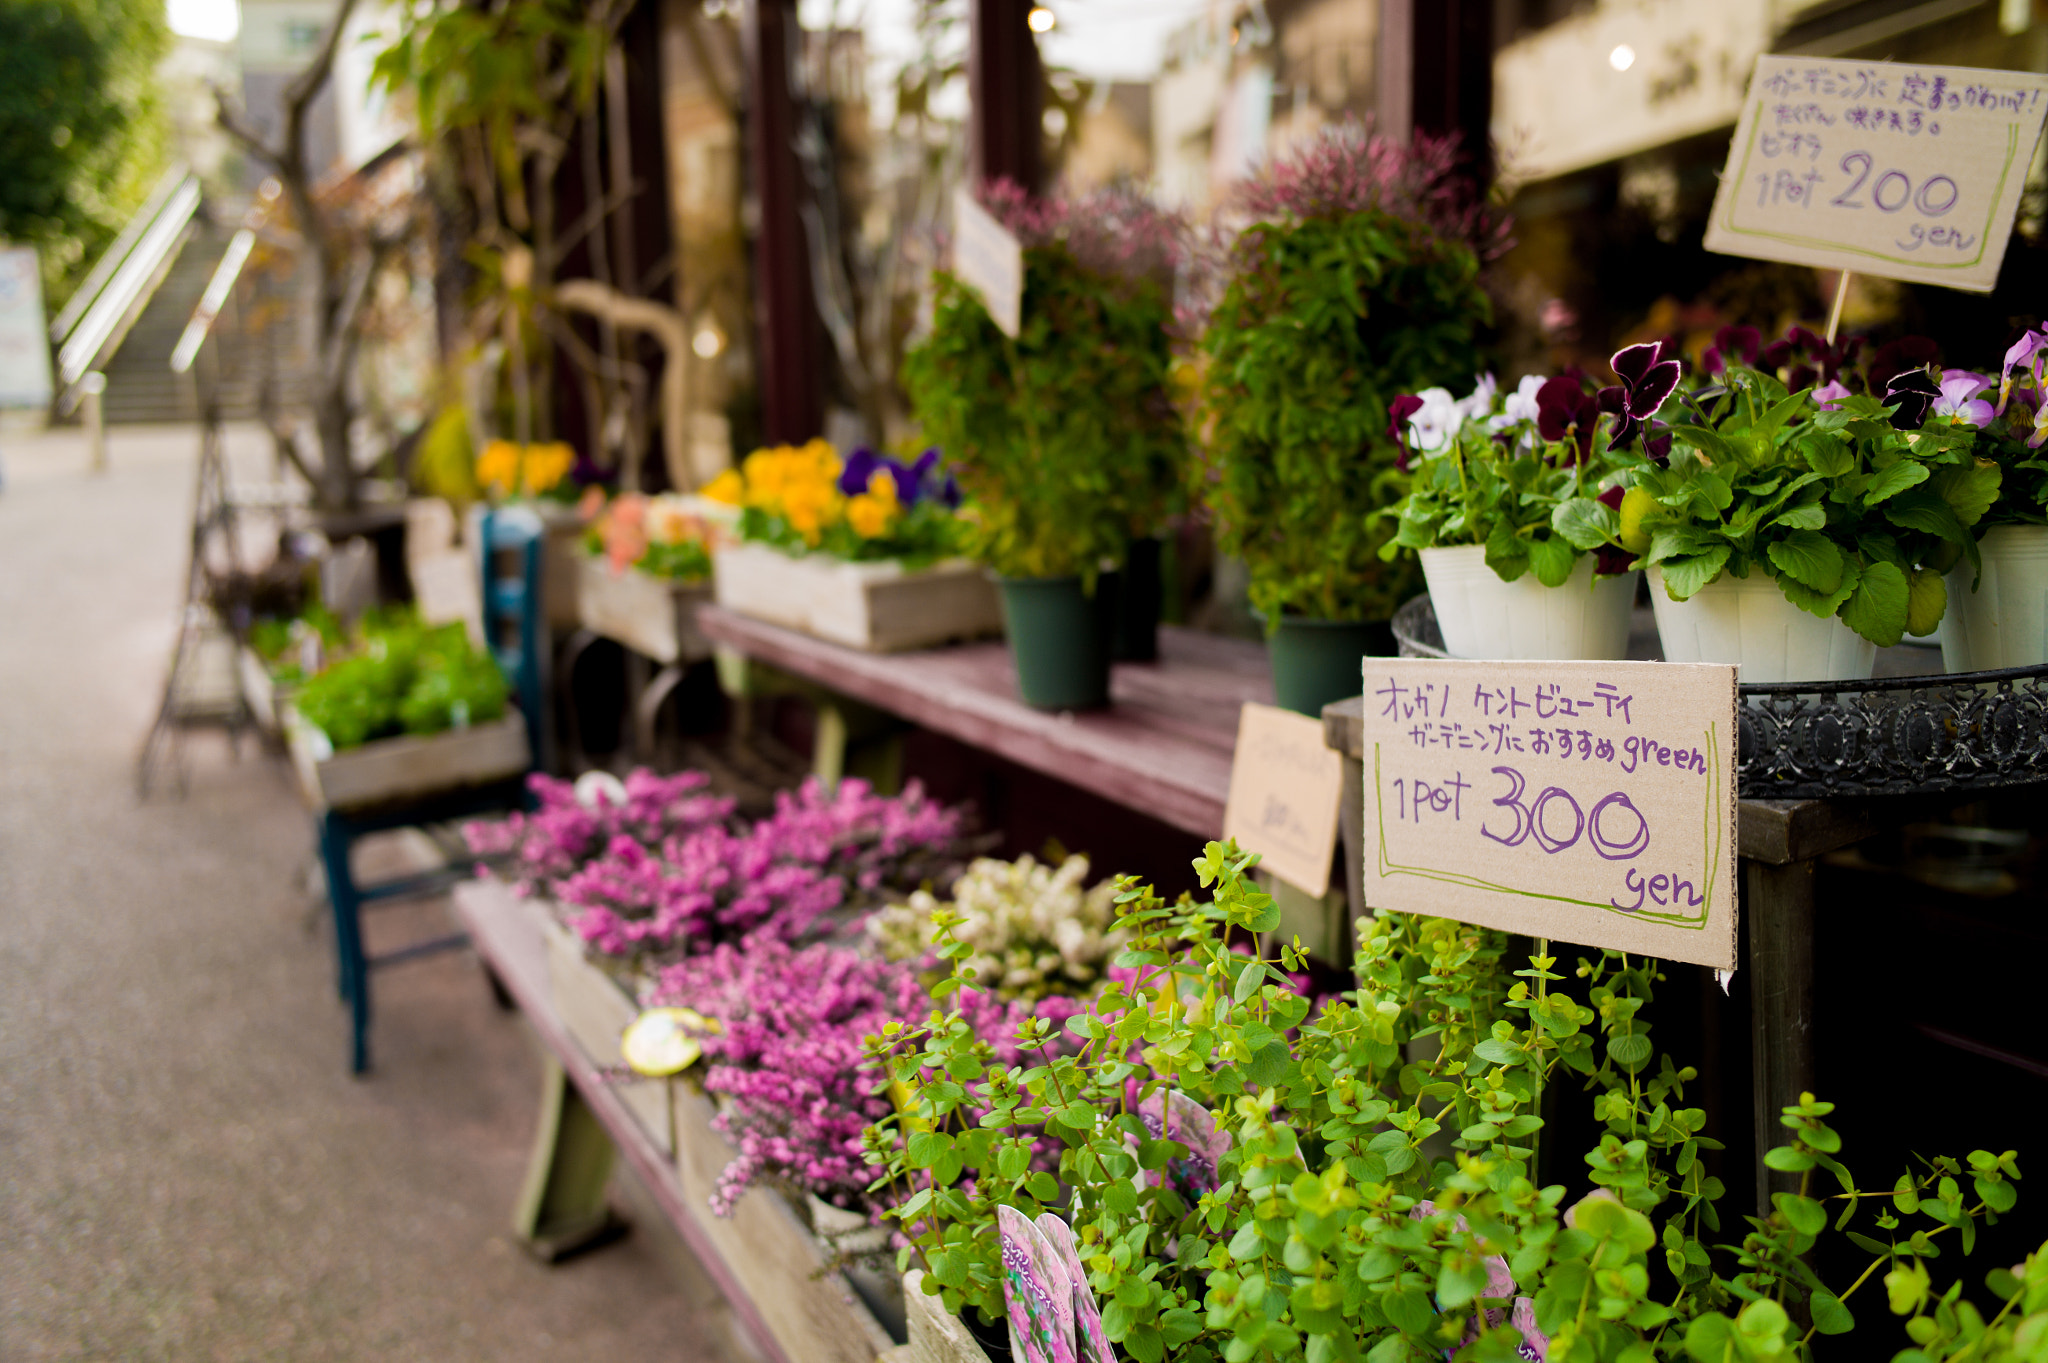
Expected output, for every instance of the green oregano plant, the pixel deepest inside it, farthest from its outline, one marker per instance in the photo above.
(1369, 1190)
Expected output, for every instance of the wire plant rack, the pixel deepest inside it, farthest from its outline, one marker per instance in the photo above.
(1956, 731)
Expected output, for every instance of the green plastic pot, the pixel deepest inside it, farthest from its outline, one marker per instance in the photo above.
(1140, 591)
(1318, 661)
(1059, 641)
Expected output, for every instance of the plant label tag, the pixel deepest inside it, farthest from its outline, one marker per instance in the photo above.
(1593, 802)
(445, 585)
(1886, 168)
(1285, 787)
(988, 259)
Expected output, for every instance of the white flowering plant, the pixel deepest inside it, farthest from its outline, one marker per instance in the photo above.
(1530, 474)
(1031, 929)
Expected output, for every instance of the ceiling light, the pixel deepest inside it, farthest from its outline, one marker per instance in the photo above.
(1622, 57)
(1041, 19)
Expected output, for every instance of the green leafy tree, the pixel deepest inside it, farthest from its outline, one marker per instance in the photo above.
(82, 124)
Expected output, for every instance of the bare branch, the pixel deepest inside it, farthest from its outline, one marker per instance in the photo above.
(668, 327)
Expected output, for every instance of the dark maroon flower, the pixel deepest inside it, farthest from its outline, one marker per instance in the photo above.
(1607, 559)
(1914, 393)
(1896, 357)
(1398, 412)
(1648, 374)
(1566, 411)
(1657, 442)
(1732, 345)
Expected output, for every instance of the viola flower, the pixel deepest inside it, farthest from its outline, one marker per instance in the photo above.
(1479, 402)
(2025, 354)
(1519, 407)
(1649, 373)
(1959, 400)
(1912, 394)
(1435, 423)
(1732, 345)
(1398, 412)
(1830, 394)
(2040, 435)
(1566, 411)
(1896, 357)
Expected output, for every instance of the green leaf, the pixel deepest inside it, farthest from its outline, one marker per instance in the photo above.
(1249, 978)
(1830, 1317)
(1551, 559)
(1921, 508)
(1585, 523)
(1803, 1214)
(926, 1147)
(1496, 1052)
(1809, 558)
(1630, 1050)
(1877, 609)
(1684, 577)
(1969, 489)
(1788, 1159)
(1894, 480)
(1926, 601)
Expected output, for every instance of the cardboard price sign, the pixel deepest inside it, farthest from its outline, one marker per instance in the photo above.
(1886, 168)
(1592, 802)
(988, 258)
(1285, 785)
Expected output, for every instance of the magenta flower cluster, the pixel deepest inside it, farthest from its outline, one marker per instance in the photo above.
(714, 883)
(553, 842)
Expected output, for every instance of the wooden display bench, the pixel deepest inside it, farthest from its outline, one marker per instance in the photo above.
(654, 620)
(763, 1259)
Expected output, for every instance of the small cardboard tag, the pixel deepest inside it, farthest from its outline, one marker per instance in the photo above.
(1887, 168)
(1592, 802)
(1285, 786)
(446, 588)
(988, 259)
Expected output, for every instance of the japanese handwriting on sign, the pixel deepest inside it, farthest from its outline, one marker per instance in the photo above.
(1908, 171)
(1586, 801)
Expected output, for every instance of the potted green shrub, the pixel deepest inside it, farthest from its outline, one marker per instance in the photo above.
(1517, 564)
(1793, 531)
(1998, 616)
(1357, 281)
(1063, 438)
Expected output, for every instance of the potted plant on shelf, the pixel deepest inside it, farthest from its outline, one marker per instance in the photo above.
(863, 552)
(1357, 280)
(1998, 615)
(646, 568)
(1065, 438)
(1793, 532)
(1511, 512)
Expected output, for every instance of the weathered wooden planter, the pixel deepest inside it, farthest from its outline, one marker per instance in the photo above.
(935, 1337)
(879, 607)
(395, 768)
(653, 616)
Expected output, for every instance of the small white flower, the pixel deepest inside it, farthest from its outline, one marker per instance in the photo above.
(1432, 429)
(1520, 405)
(1479, 402)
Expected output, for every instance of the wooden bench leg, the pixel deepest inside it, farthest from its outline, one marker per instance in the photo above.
(1778, 907)
(562, 1208)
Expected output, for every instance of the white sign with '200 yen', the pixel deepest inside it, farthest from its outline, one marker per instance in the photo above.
(1588, 801)
(1886, 168)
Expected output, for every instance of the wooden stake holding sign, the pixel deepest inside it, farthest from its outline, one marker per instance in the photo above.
(1592, 802)
(1887, 168)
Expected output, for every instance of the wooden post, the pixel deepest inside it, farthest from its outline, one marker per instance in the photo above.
(1778, 911)
(1436, 74)
(1005, 140)
(786, 321)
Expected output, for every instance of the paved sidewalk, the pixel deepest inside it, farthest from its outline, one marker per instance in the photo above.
(186, 1169)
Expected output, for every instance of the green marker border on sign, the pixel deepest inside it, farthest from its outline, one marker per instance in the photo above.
(1984, 234)
(1714, 832)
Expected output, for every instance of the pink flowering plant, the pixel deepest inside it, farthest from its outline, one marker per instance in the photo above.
(1343, 1195)
(573, 824)
(778, 878)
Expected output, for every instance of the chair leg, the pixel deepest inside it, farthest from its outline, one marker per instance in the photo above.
(342, 895)
(562, 1208)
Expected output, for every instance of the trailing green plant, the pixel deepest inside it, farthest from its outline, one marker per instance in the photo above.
(1357, 281)
(1369, 1189)
(404, 677)
(1065, 438)
(1848, 501)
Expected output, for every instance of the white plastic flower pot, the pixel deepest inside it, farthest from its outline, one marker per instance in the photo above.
(1748, 622)
(1483, 617)
(2004, 622)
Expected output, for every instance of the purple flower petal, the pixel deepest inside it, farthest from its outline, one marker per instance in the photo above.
(1631, 364)
(858, 472)
(1647, 394)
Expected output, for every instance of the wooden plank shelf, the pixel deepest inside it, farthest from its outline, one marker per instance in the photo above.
(1162, 748)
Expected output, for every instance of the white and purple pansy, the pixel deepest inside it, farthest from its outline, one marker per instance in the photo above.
(1959, 398)
(1647, 374)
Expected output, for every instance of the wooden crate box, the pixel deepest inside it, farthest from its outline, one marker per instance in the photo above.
(879, 607)
(653, 616)
(397, 768)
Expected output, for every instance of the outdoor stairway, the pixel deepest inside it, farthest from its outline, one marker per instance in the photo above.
(140, 385)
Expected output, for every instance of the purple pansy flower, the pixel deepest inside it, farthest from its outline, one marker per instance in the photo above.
(1732, 345)
(2025, 354)
(1830, 394)
(1398, 412)
(1566, 411)
(1959, 400)
(1912, 395)
(1648, 373)
(914, 481)
(1896, 357)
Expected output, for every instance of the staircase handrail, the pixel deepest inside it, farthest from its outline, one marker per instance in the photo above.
(224, 277)
(83, 296)
(105, 322)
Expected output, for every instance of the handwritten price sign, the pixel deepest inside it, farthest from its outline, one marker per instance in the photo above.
(1886, 168)
(1588, 801)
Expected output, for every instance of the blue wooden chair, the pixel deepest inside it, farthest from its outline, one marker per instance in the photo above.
(515, 631)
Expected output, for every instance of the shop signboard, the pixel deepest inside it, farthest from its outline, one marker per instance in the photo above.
(1590, 802)
(24, 340)
(1888, 168)
(1285, 785)
(988, 258)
